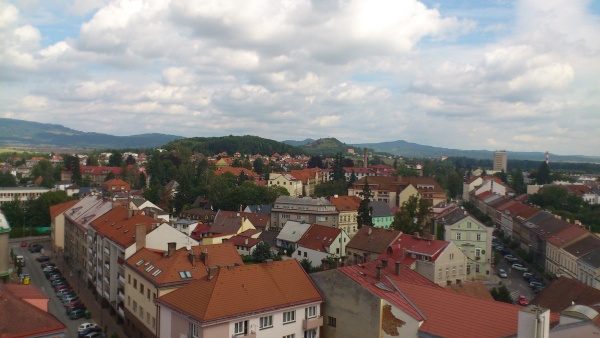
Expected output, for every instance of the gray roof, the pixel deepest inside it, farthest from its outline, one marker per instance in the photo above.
(584, 246)
(380, 209)
(453, 216)
(303, 200)
(550, 226)
(261, 209)
(292, 231)
(592, 258)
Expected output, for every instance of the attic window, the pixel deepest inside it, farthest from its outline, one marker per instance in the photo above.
(150, 268)
(185, 274)
(156, 272)
(139, 263)
(126, 231)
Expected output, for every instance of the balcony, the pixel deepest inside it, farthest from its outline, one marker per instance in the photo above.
(90, 265)
(99, 269)
(312, 323)
(106, 294)
(107, 251)
(99, 289)
(106, 282)
(121, 295)
(90, 251)
(121, 279)
(90, 277)
(107, 266)
(121, 312)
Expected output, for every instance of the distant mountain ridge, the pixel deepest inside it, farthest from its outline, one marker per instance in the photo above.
(35, 134)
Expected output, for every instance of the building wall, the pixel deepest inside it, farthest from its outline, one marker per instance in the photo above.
(348, 222)
(21, 193)
(450, 265)
(588, 273)
(133, 295)
(58, 231)
(478, 250)
(294, 187)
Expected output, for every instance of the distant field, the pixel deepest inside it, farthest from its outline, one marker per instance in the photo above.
(7, 150)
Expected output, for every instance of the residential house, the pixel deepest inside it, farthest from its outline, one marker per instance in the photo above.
(310, 177)
(589, 268)
(97, 175)
(308, 209)
(23, 313)
(527, 227)
(237, 171)
(77, 222)
(469, 185)
(290, 234)
(369, 243)
(442, 262)
(116, 185)
(57, 223)
(184, 225)
(272, 299)
(320, 243)
(472, 237)
(206, 216)
(141, 204)
(226, 225)
(521, 233)
(223, 162)
(152, 273)
(539, 235)
(347, 208)
(381, 214)
(20, 193)
(565, 292)
(576, 250)
(388, 300)
(555, 245)
(396, 190)
(492, 184)
(245, 243)
(505, 215)
(292, 184)
(112, 239)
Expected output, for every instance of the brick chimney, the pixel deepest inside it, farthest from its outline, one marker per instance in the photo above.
(204, 257)
(397, 268)
(192, 258)
(171, 246)
(384, 263)
(140, 236)
(379, 267)
(365, 158)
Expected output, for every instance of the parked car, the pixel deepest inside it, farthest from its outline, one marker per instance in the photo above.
(89, 331)
(70, 299)
(73, 308)
(46, 264)
(502, 273)
(95, 335)
(504, 252)
(59, 282)
(43, 258)
(536, 285)
(527, 275)
(23, 244)
(523, 300)
(85, 326)
(519, 267)
(511, 258)
(66, 293)
(63, 287)
(76, 314)
(34, 247)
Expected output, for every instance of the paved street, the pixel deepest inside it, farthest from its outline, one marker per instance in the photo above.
(102, 318)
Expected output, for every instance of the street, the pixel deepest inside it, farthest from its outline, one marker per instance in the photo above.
(99, 316)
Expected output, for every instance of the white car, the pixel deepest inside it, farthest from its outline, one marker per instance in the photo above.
(519, 267)
(86, 326)
(502, 273)
(511, 258)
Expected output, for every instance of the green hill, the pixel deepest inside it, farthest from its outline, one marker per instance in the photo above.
(247, 145)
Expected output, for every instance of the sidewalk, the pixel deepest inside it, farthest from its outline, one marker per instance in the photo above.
(100, 316)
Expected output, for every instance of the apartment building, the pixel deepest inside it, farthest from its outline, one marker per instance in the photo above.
(308, 209)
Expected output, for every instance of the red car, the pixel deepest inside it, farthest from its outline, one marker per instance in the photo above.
(23, 244)
(523, 300)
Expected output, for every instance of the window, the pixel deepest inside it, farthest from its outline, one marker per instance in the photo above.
(266, 322)
(469, 225)
(458, 236)
(476, 267)
(453, 271)
(299, 253)
(148, 317)
(153, 322)
(148, 294)
(447, 272)
(310, 312)
(134, 306)
(128, 301)
(305, 254)
(310, 333)
(129, 279)
(331, 321)
(451, 256)
(135, 283)
(142, 312)
(193, 330)
(478, 237)
(477, 252)
(440, 273)
(141, 288)
(240, 327)
(289, 317)
(289, 336)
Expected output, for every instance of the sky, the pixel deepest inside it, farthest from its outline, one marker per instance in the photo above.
(491, 75)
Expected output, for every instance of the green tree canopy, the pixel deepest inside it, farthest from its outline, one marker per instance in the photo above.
(413, 216)
(364, 211)
(262, 252)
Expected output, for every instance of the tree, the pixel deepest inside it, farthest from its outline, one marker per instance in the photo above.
(338, 169)
(542, 176)
(517, 182)
(92, 160)
(115, 159)
(413, 216)
(7, 180)
(315, 162)
(130, 160)
(306, 265)
(109, 176)
(331, 188)
(72, 164)
(364, 211)
(501, 294)
(262, 252)
(258, 166)
(454, 185)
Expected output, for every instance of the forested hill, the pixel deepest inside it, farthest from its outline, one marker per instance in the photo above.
(244, 144)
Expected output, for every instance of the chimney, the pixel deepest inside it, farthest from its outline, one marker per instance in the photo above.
(192, 258)
(140, 236)
(129, 212)
(211, 272)
(416, 234)
(397, 268)
(365, 158)
(204, 257)
(384, 263)
(246, 241)
(171, 246)
(379, 267)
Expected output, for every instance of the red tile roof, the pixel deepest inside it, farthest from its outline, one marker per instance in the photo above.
(58, 209)
(217, 254)
(120, 229)
(245, 242)
(373, 239)
(319, 237)
(251, 289)
(345, 203)
(417, 245)
(477, 289)
(563, 292)
(567, 234)
(236, 171)
(18, 318)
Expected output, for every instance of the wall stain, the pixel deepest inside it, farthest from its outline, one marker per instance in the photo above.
(389, 323)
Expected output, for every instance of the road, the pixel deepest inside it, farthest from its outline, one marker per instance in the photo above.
(55, 307)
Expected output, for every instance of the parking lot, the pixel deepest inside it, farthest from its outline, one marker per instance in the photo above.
(37, 277)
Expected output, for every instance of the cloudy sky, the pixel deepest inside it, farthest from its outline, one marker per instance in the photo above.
(494, 74)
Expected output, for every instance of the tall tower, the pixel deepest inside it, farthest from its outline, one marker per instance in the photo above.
(547, 159)
(500, 160)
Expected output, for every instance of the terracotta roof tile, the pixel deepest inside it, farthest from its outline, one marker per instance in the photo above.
(120, 229)
(319, 237)
(417, 245)
(245, 242)
(373, 239)
(345, 203)
(562, 292)
(252, 288)
(567, 234)
(58, 209)
(26, 320)
(477, 289)
(171, 266)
